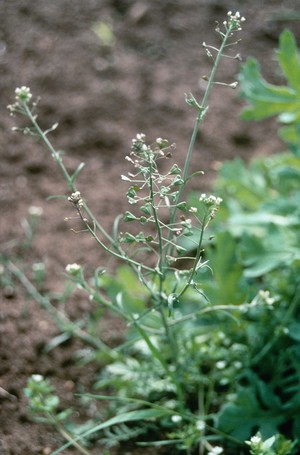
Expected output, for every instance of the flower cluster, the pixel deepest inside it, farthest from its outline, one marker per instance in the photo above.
(266, 298)
(234, 21)
(255, 442)
(23, 95)
(73, 269)
(210, 200)
(76, 199)
(138, 144)
(211, 204)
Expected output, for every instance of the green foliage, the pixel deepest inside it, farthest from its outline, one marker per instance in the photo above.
(275, 445)
(212, 346)
(267, 100)
(43, 403)
(258, 228)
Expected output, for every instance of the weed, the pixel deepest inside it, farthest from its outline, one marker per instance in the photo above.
(191, 337)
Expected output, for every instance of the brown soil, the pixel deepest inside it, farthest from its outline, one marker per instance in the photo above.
(102, 96)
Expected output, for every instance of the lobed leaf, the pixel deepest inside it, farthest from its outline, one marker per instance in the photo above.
(266, 100)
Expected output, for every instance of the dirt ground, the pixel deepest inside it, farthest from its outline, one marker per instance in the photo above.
(102, 93)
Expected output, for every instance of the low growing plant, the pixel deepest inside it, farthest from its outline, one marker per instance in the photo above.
(172, 382)
(259, 223)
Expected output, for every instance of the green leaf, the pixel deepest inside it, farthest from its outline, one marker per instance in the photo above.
(261, 255)
(240, 418)
(267, 100)
(268, 443)
(290, 134)
(294, 330)
(56, 341)
(142, 414)
(227, 272)
(289, 60)
(75, 174)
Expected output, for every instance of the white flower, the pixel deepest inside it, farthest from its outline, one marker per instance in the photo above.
(38, 267)
(35, 211)
(37, 377)
(127, 158)
(210, 200)
(265, 296)
(23, 93)
(235, 20)
(215, 450)
(12, 107)
(176, 418)
(200, 425)
(255, 441)
(124, 177)
(76, 199)
(221, 364)
(73, 269)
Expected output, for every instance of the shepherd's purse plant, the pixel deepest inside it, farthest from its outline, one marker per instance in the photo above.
(171, 372)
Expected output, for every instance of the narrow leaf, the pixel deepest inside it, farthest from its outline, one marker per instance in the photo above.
(75, 174)
(142, 414)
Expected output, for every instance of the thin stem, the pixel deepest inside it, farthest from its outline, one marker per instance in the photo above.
(57, 158)
(161, 267)
(196, 261)
(196, 314)
(157, 224)
(60, 319)
(201, 111)
(160, 358)
(66, 435)
(69, 438)
(292, 307)
(120, 254)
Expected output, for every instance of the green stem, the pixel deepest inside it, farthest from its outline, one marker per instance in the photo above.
(56, 156)
(294, 303)
(60, 319)
(161, 268)
(69, 438)
(157, 224)
(196, 260)
(204, 104)
(201, 112)
(66, 435)
(119, 253)
(159, 357)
